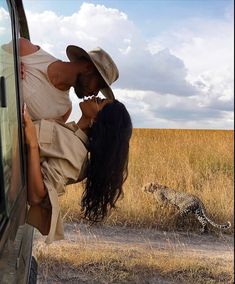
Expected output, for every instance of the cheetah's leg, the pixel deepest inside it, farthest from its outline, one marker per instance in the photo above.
(202, 220)
(185, 211)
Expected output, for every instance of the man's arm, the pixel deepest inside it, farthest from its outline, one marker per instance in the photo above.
(26, 47)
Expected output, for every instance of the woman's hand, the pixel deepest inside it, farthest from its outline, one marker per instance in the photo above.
(30, 130)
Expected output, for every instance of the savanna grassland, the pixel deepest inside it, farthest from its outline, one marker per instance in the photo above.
(195, 161)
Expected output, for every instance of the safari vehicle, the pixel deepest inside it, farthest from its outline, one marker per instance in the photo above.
(16, 237)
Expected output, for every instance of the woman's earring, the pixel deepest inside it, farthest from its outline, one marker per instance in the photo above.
(91, 123)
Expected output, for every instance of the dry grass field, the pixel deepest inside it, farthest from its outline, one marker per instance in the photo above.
(91, 258)
(195, 161)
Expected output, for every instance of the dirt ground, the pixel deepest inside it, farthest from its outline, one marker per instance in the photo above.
(219, 246)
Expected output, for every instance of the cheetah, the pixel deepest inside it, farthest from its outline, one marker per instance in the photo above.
(185, 202)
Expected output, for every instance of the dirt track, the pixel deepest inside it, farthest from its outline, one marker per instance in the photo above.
(219, 247)
(204, 245)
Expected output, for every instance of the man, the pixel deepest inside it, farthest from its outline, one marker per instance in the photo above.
(47, 80)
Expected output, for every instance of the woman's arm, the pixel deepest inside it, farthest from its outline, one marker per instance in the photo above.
(35, 185)
(66, 115)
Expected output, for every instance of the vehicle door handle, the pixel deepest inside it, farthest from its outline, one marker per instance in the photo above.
(3, 98)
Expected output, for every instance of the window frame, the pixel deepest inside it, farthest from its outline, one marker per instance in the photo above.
(19, 204)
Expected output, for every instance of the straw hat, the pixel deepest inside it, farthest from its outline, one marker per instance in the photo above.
(103, 63)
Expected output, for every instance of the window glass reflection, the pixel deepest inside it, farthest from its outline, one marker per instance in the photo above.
(8, 116)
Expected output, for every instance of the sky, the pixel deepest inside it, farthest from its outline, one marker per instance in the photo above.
(175, 57)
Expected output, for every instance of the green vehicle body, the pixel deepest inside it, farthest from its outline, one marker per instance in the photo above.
(16, 237)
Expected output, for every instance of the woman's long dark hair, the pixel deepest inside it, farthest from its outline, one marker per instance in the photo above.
(108, 160)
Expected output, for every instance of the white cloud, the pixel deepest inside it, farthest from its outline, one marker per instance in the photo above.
(183, 78)
(151, 109)
(91, 26)
(96, 25)
(2, 30)
(3, 14)
(207, 50)
(5, 27)
(203, 44)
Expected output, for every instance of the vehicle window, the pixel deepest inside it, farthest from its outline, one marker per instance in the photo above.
(11, 175)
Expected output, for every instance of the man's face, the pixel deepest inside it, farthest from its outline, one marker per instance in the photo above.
(89, 84)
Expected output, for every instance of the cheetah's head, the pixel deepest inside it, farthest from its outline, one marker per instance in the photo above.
(152, 187)
(148, 187)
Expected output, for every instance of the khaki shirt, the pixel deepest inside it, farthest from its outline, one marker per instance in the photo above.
(63, 161)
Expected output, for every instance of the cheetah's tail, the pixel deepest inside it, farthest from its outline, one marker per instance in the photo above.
(224, 226)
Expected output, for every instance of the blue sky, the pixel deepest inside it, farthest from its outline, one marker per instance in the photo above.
(175, 57)
(150, 16)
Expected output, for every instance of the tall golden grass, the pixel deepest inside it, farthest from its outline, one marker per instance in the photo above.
(194, 161)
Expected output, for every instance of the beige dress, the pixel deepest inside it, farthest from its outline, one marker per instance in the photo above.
(43, 100)
(63, 161)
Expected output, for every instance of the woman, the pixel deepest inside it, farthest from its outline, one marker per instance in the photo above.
(57, 156)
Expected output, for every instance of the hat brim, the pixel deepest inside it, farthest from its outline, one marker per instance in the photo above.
(108, 93)
(74, 53)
